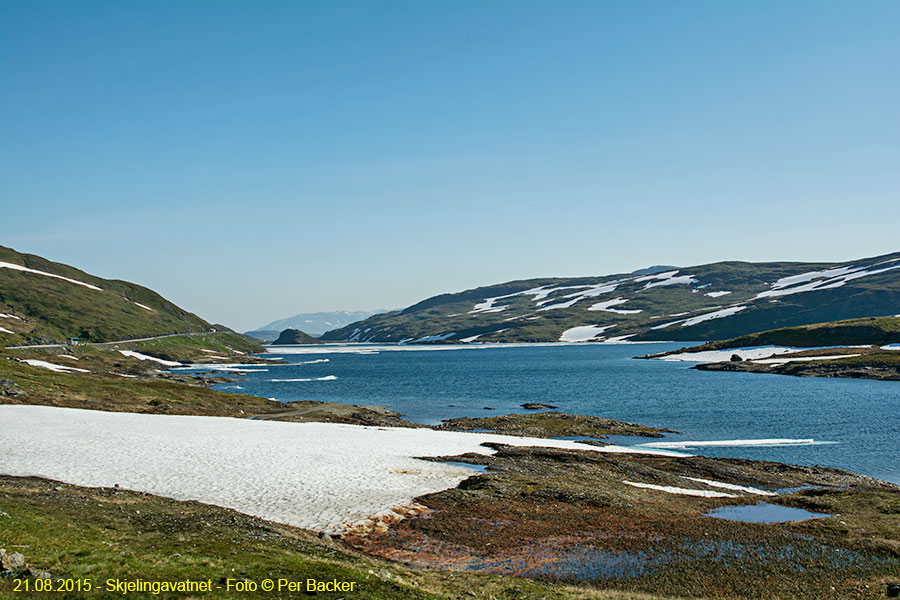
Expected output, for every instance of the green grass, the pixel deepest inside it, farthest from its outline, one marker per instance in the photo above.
(99, 534)
(103, 389)
(190, 348)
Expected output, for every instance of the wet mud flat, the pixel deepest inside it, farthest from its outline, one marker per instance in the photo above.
(569, 516)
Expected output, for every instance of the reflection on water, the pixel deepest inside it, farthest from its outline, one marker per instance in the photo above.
(763, 513)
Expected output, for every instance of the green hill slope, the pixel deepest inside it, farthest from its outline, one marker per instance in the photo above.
(703, 302)
(45, 300)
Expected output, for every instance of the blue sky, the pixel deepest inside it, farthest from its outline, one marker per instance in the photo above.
(255, 159)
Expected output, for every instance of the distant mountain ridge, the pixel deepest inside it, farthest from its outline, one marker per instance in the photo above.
(314, 324)
(704, 302)
(45, 300)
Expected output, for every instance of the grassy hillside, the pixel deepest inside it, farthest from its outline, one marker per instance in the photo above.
(54, 308)
(703, 302)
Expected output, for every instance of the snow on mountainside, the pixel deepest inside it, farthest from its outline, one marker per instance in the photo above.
(703, 302)
(317, 323)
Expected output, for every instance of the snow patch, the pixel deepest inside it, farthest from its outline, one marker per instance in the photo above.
(716, 294)
(52, 367)
(668, 278)
(711, 356)
(678, 490)
(819, 280)
(14, 267)
(584, 333)
(434, 338)
(139, 356)
(731, 486)
(320, 476)
(718, 314)
(608, 304)
(781, 361)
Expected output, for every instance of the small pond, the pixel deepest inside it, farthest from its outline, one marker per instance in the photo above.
(763, 512)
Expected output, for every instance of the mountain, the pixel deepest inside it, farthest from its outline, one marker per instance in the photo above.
(704, 302)
(45, 300)
(294, 336)
(315, 324)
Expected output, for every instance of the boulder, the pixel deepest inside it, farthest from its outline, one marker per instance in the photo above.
(11, 562)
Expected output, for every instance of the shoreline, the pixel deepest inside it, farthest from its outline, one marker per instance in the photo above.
(542, 509)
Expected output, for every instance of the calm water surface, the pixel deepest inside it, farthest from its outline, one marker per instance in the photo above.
(854, 423)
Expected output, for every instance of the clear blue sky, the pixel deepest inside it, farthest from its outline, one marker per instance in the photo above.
(255, 159)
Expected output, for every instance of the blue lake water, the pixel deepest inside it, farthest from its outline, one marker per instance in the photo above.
(857, 418)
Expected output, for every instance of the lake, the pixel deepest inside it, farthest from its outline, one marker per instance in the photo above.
(852, 423)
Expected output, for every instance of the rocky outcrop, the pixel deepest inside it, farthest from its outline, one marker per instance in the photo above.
(294, 336)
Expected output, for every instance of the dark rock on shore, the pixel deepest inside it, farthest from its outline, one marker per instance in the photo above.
(551, 424)
(536, 406)
(873, 369)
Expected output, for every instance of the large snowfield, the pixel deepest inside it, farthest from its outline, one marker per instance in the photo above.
(321, 476)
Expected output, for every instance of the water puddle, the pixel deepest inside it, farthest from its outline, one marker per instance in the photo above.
(764, 512)
(466, 465)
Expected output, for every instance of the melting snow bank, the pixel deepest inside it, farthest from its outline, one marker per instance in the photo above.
(15, 267)
(584, 333)
(678, 490)
(139, 356)
(731, 486)
(711, 356)
(53, 367)
(322, 476)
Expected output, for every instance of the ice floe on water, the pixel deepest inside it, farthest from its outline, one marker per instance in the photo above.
(299, 379)
(139, 356)
(322, 476)
(14, 267)
(52, 366)
(685, 444)
(584, 333)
